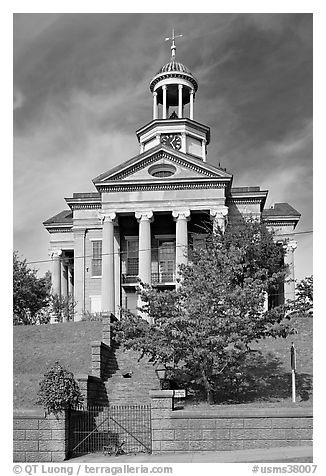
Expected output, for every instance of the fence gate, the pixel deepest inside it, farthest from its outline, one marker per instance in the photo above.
(113, 430)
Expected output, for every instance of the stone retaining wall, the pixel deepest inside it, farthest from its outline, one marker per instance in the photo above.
(39, 439)
(226, 429)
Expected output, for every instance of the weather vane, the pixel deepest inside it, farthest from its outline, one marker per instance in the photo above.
(173, 47)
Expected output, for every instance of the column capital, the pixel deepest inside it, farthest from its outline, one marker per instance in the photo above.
(154, 93)
(164, 86)
(290, 246)
(144, 215)
(180, 86)
(181, 214)
(107, 216)
(55, 253)
(219, 212)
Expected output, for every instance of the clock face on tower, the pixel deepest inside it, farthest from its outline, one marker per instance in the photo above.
(171, 140)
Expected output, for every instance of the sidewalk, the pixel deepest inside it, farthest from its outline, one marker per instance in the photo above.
(288, 454)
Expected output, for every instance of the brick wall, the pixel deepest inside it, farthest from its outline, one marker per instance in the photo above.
(39, 439)
(226, 429)
(93, 390)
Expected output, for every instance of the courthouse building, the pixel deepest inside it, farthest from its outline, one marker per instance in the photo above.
(147, 211)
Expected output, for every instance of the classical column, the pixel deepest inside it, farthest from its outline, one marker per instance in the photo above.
(155, 105)
(180, 107)
(108, 288)
(64, 279)
(56, 272)
(219, 217)
(144, 219)
(71, 280)
(181, 218)
(289, 283)
(191, 103)
(203, 150)
(164, 88)
(79, 271)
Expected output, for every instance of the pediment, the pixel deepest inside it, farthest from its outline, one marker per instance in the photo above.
(142, 168)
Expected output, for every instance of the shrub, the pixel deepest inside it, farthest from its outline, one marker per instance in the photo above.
(59, 390)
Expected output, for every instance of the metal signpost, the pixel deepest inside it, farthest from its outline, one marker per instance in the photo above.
(293, 368)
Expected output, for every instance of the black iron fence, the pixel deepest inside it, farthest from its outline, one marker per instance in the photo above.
(113, 430)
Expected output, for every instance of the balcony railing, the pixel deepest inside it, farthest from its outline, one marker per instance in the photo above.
(163, 278)
(130, 279)
(157, 278)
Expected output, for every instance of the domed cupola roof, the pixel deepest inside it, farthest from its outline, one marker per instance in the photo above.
(174, 69)
(174, 66)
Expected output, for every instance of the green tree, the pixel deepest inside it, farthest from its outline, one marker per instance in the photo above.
(207, 325)
(30, 293)
(302, 306)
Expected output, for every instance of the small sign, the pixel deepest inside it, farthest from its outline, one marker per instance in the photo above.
(180, 393)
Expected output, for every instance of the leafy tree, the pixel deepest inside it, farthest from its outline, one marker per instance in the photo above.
(61, 308)
(59, 390)
(206, 326)
(302, 306)
(30, 293)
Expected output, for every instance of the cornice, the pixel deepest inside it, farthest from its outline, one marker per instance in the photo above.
(245, 201)
(166, 123)
(161, 186)
(173, 74)
(84, 206)
(59, 229)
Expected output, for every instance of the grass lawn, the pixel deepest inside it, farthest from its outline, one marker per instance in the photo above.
(36, 348)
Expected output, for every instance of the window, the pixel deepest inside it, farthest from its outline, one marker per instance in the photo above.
(166, 261)
(132, 257)
(162, 170)
(97, 258)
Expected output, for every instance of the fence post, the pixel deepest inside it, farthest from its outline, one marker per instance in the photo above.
(162, 405)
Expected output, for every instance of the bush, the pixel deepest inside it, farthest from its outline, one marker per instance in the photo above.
(59, 390)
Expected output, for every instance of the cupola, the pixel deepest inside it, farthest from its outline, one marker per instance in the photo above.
(173, 125)
(174, 86)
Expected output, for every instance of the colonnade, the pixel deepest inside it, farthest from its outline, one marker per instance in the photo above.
(145, 218)
(180, 102)
(62, 279)
(62, 274)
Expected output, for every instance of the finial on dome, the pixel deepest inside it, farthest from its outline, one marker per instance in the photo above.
(173, 47)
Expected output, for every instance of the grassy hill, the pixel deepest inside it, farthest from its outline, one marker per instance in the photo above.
(36, 348)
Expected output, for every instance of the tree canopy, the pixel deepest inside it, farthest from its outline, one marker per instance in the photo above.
(30, 293)
(206, 326)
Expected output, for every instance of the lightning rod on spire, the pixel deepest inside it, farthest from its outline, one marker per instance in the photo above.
(173, 46)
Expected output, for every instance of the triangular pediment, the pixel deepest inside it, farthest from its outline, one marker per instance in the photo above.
(147, 166)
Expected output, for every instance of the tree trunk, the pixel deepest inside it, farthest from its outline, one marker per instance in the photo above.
(208, 388)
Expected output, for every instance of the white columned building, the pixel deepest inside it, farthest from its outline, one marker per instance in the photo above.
(143, 214)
